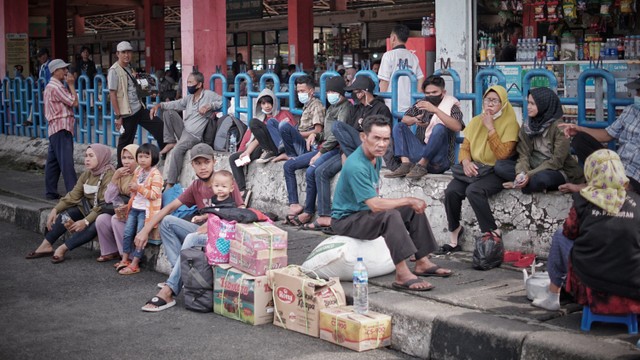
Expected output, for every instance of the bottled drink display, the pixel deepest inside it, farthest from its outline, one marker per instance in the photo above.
(360, 288)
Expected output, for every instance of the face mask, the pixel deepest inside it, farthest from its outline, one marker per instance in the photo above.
(497, 115)
(267, 112)
(636, 100)
(333, 98)
(303, 97)
(192, 89)
(90, 189)
(435, 100)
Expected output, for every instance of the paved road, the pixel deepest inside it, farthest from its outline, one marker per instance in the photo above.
(81, 309)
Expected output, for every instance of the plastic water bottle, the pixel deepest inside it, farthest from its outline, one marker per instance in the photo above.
(360, 288)
(425, 27)
(232, 143)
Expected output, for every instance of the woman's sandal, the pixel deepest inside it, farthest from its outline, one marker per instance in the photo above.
(129, 270)
(293, 220)
(108, 257)
(121, 265)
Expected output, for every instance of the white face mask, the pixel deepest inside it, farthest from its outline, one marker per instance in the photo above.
(303, 97)
(497, 115)
(267, 113)
(90, 189)
(636, 100)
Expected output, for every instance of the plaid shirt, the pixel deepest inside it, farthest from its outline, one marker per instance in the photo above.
(58, 107)
(626, 129)
(312, 114)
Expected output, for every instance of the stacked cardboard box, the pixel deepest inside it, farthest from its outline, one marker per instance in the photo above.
(240, 296)
(258, 247)
(359, 332)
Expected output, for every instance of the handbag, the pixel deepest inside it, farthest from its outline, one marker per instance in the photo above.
(457, 171)
(107, 208)
(145, 84)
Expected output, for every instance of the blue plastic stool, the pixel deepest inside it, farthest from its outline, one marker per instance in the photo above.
(631, 320)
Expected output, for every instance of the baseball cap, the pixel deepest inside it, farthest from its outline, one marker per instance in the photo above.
(633, 85)
(57, 64)
(335, 83)
(124, 46)
(362, 82)
(202, 150)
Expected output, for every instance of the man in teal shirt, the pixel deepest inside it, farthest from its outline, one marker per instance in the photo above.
(358, 210)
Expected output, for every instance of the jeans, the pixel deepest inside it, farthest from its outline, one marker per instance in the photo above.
(478, 194)
(294, 143)
(59, 160)
(436, 151)
(175, 279)
(290, 167)
(173, 231)
(135, 223)
(559, 254)
(76, 239)
(264, 134)
(273, 126)
(320, 186)
(130, 124)
(541, 181)
(348, 137)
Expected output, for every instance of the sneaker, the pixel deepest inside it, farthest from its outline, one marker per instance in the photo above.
(403, 170)
(417, 172)
(265, 157)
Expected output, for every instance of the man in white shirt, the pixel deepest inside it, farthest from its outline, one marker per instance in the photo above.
(390, 64)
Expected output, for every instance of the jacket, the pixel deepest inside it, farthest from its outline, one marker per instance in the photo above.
(151, 189)
(342, 112)
(75, 196)
(361, 111)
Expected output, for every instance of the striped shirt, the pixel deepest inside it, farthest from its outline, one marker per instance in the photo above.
(626, 129)
(58, 107)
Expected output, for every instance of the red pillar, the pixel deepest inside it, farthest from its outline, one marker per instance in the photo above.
(337, 5)
(14, 19)
(78, 25)
(154, 34)
(204, 41)
(301, 33)
(59, 29)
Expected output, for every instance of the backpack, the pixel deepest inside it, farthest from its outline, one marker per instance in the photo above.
(197, 278)
(488, 253)
(226, 126)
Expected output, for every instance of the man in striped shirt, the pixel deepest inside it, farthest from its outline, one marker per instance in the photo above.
(58, 109)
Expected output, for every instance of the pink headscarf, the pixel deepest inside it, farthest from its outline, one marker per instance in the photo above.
(103, 154)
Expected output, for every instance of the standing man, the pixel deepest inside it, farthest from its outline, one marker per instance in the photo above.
(43, 58)
(390, 64)
(58, 110)
(127, 107)
(86, 66)
(198, 107)
(359, 212)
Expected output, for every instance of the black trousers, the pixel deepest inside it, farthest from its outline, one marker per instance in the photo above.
(238, 172)
(130, 123)
(545, 180)
(584, 145)
(368, 225)
(260, 132)
(478, 194)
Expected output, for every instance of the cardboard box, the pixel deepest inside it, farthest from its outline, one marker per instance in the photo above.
(298, 299)
(256, 262)
(261, 236)
(240, 296)
(342, 326)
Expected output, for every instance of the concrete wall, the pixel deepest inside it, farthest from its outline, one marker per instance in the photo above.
(527, 221)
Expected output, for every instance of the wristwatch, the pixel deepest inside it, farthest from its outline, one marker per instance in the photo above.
(86, 222)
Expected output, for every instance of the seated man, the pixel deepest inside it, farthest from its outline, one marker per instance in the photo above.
(198, 106)
(359, 212)
(308, 134)
(439, 114)
(626, 129)
(178, 234)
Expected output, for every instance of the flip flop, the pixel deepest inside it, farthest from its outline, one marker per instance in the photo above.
(37, 255)
(121, 265)
(433, 271)
(407, 285)
(316, 226)
(160, 304)
(129, 270)
(293, 220)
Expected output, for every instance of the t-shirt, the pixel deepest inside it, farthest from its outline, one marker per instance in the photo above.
(112, 82)
(228, 202)
(199, 192)
(390, 64)
(359, 181)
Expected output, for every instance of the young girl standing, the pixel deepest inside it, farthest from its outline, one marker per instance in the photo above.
(146, 201)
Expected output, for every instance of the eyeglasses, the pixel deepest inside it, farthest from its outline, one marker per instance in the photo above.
(491, 101)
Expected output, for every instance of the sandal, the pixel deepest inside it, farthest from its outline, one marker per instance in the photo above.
(293, 220)
(129, 270)
(121, 265)
(314, 226)
(109, 257)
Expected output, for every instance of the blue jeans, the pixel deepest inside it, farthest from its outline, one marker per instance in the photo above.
(558, 261)
(175, 279)
(290, 167)
(76, 239)
(173, 231)
(135, 223)
(436, 151)
(59, 160)
(272, 128)
(320, 186)
(294, 143)
(348, 137)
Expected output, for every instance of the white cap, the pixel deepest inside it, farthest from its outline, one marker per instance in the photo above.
(57, 64)
(124, 46)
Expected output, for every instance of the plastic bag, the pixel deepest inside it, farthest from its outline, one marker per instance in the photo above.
(488, 252)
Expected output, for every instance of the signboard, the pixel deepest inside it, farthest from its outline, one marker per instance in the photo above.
(244, 9)
(17, 53)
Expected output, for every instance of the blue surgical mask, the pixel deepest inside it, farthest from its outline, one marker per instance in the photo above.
(333, 98)
(303, 97)
(636, 100)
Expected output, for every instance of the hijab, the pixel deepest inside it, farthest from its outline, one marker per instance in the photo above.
(103, 154)
(549, 110)
(131, 148)
(606, 181)
(505, 123)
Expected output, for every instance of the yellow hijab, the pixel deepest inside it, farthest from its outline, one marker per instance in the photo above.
(123, 182)
(606, 181)
(506, 126)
